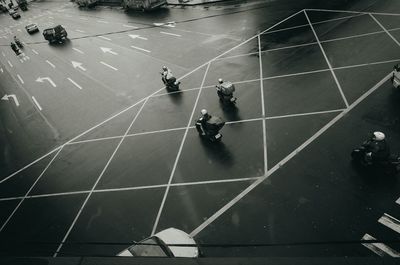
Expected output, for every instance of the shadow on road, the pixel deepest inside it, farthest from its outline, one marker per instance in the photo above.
(218, 152)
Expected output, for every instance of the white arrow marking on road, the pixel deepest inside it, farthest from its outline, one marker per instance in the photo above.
(129, 26)
(137, 37)
(41, 79)
(78, 65)
(108, 50)
(172, 34)
(109, 66)
(9, 63)
(20, 79)
(77, 50)
(37, 103)
(73, 82)
(52, 65)
(14, 97)
(104, 38)
(141, 49)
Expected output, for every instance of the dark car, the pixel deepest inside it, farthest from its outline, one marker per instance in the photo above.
(32, 28)
(16, 15)
(56, 34)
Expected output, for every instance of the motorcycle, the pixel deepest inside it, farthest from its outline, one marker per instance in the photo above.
(211, 132)
(396, 76)
(225, 93)
(170, 82)
(391, 165)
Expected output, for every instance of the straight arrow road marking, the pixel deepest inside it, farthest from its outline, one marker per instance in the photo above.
(78, 65)
(141, 49)
(20, 79)
(172, 34)
(77, 50)
(41, 80)
(14, 97)
(109, 66)
(52, 65)
(37, 103)
(108, 50)
(73, 82)
(137, 37)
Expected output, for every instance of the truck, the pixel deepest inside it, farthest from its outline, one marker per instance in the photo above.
(23, 5)
(143, 5)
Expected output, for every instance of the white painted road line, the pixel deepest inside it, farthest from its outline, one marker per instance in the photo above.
(387, 32)
(1, 70)
(10, 64)
(20, 79)
(398, 201)
(103, 21)
(390, 222)
(129, 26)
(172, 34)
(104, 38)
(34, 51)
(141, 49)
(379, 248)
(263, 107)
(73, 82)
(77, 50)
(37, 103)
(133, 36)
(81, 31)
(109, 66)
(3, 54)
(52, 65)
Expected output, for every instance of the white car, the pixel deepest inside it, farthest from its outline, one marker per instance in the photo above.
(159, 245)
(31, 28)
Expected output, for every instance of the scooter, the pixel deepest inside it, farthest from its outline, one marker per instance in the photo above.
(391, 165)
(211, 133)
(171, 84)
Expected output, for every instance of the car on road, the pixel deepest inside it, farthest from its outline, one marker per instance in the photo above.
(16, 15)
(162, 245)
(55, 34)
(32, 28)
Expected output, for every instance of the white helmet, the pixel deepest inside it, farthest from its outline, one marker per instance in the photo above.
(220, 80)
(379, 136)
(164, 68)
(204, 112)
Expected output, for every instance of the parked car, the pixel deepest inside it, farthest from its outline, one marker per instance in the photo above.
(161, 245)
(32, 28)
(16, 15)
(56, 34)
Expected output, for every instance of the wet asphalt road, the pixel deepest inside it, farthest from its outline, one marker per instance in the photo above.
(316, 204)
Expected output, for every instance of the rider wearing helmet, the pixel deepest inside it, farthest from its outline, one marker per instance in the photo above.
(201, 123)
(13, 46)
(166, 74)
(377, 148)
(219, 87)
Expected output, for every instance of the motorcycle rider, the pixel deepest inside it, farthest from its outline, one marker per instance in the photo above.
(202, 122)
(377, 149)
(168, 79)
(15, 48)
(225, 91)
(16, 40)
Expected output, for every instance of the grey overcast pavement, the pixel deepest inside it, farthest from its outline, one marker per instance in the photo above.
(96, 154)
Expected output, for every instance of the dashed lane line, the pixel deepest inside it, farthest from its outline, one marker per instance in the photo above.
(129, 26)
(172, 34)
(74, 83)
(390, 222)
(35, 52)
(1, 70)
(379, 248)
(141, 49)
(10, 64)
(37, 103)
(103, 21)
(77, 50)
(109, 66)
(52, 65)
(20, 79)
(81, 31)
(105, 38)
